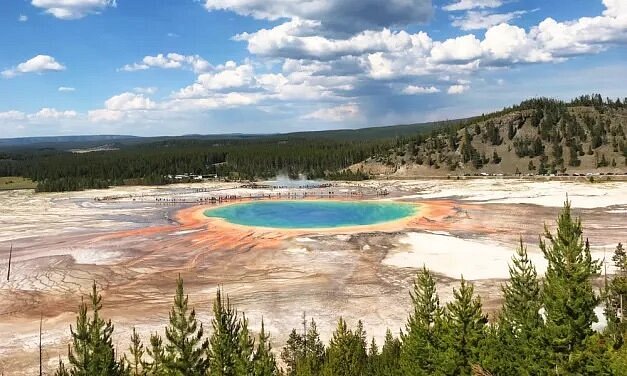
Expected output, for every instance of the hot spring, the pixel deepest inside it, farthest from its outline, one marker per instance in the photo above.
(311, 214)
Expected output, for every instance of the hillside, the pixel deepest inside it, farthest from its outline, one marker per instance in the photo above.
(539, 136)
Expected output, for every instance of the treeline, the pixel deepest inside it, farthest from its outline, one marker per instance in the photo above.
(543, 328)
(151, 164)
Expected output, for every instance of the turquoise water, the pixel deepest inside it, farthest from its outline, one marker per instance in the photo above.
(311, 214)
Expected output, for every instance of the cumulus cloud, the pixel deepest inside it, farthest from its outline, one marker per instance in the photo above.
(52, 113)
(457, 50)
(145, 90)
(45, 114)
(170, 61)
(38, 64)
(12, 115)
(66, 89)
(472, 4)
(228, 76)
(73, 9)
(475, 20)
(22, 18)
(413, 90)
(457, 89)
(288, 40)
(128, 102)
(302, 63)
(335, 16)
(337, 113)
(122, 106)
(104, 116)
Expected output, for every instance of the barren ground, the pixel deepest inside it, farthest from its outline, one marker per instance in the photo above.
(134, 245)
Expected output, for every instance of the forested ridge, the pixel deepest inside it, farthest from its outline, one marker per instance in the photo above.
(537, 136)
(543, 328)
(152, 163)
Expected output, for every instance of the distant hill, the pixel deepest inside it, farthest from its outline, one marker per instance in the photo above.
(27, 141)
(538, 136)
(96, 141)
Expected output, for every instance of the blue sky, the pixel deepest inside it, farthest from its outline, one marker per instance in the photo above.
(161, 67)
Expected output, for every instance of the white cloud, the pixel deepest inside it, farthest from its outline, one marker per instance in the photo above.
(145, 90)
(457, 89)
(12, 115)
(52, 113)
(227, 76)
(22, 18)
(475, 20)
(457, 50)
(170, 61)
(44, 115)
(511, 44)
(336, 16)
(413, 90)
(338, 113)
(66, 89)
(103, 116)
(73, 9)
(38, 64)
(302, 63)
(122, 107)
(128, 102)
(473, 4)
(291, 40)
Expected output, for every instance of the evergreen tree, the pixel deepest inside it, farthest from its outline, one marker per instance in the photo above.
(293, 352)
(185, 347)
(616, 299)
(61, 370)
(389, 359)
(346, 355)
(313, 352)
(374, 364)
(465, 330)
(568, 297)
(245, 349)
(519, 350)
(224, 347)
(264, 363)
(157, 353)
(421, 345)
(136, 350)
(91, 351)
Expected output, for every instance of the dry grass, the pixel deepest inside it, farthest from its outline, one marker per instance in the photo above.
(8, 183)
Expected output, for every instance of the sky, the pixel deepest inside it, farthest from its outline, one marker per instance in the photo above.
(172, 67)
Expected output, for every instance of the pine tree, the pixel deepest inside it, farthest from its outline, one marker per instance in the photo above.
(616, 299)
(519, 326)
(568, 298)
(346, 355)
(136, 351)
(264, 363)
(465, 330)
(374, 364)
(421, 346)
(61, 370)
(91, 351)
(246, 346)
(224, 342)
(157, 353)
(293, 352)
(313, 352)
(80, 351)
(185, 346)
(389, 359)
